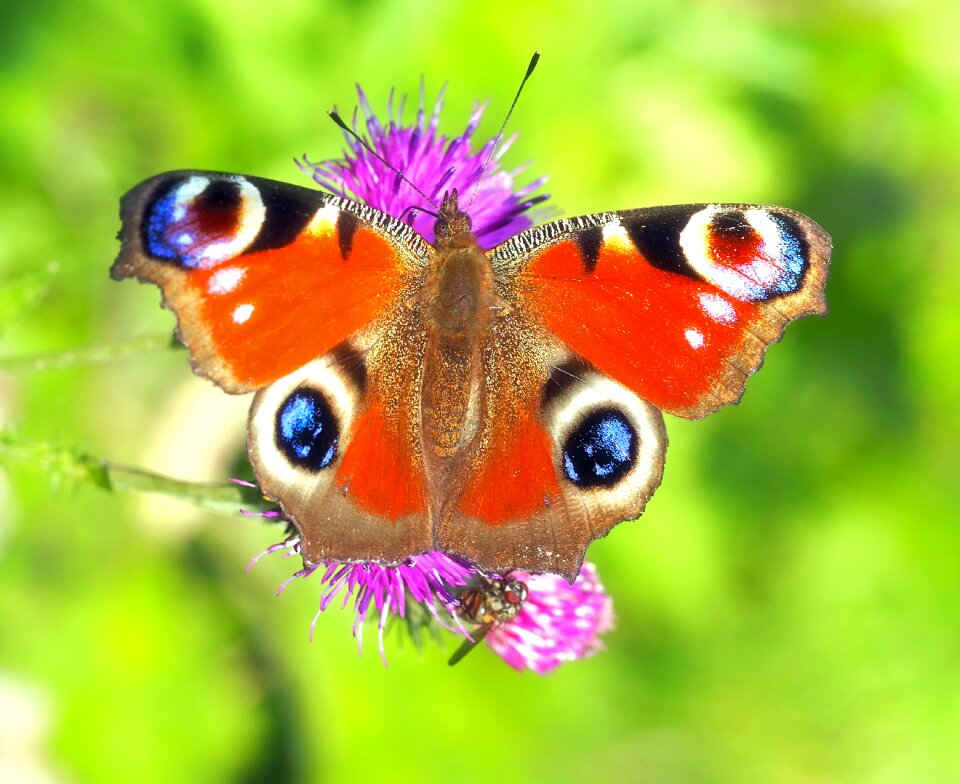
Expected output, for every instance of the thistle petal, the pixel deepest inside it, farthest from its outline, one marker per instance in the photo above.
(558, 622)
(435, 164)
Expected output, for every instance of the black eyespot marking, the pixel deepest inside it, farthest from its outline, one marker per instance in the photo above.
(219, 201)
(589, 242)
(350, 361)
(306, 430)
(288, 209)
(347, 225)
(733, 225)
(561, 377)
(658, 238)
(601, 451)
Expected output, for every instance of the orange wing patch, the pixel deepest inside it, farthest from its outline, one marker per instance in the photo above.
(290, 305)
(380, 470)
(676, 303)
(515, 477)
(649, 329)
(263, 276)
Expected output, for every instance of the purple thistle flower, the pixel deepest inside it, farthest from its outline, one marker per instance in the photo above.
(435, 164)
(378, 591)
(558, 622)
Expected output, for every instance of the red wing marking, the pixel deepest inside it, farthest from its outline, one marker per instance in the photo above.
(379, 471)
(515, 477)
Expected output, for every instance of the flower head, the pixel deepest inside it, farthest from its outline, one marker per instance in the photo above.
(558, 622)
(435, 164)
(428, 580)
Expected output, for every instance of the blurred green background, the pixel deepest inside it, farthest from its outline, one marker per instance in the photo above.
(789, 606)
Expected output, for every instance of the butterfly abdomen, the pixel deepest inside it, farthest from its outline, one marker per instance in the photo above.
(457, 317)
(457, 305)
(448, 385)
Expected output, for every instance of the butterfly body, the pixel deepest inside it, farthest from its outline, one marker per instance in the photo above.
(499, 404)
(457, 303)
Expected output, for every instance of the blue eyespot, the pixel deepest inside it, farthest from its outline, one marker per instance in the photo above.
(159, 217)
(307, 431)
(189, 217)
(791, 257)
(601, 451)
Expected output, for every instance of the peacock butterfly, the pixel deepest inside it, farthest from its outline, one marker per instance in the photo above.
(502, 405)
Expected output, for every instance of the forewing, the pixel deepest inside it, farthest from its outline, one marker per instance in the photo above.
(262, 276)
(676, 303)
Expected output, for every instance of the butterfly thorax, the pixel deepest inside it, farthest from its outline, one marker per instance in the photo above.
(459, 288)
(458, 301)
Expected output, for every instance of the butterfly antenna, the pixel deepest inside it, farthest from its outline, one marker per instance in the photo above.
(335, 116)
(414, 208)
(499, 137)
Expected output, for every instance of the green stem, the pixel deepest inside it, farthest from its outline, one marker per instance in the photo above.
(221, 497)
(61, 464)
(88, 355)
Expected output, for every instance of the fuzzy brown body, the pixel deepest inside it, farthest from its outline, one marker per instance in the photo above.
(458, 301)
